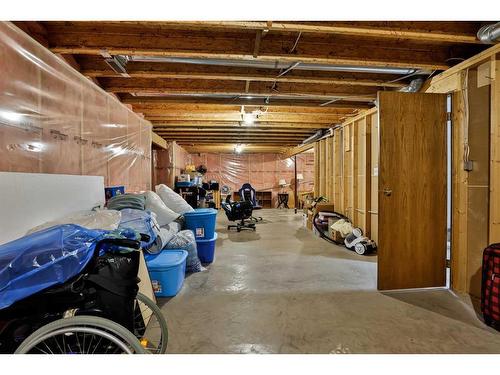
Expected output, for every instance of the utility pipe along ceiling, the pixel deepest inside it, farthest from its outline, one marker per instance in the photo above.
(275, 84)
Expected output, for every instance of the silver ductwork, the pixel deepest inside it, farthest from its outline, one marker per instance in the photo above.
(316, 136)
(272, 64)
(414, 86)
(489, 33)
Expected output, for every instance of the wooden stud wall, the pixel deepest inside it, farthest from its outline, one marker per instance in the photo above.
(494, 229)
(346, 161)
(474, 86)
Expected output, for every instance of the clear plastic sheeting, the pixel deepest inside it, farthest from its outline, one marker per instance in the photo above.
(43, 259)
(54, 120)
(98, 219)
(263, 171)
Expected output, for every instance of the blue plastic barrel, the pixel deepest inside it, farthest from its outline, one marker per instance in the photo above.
(202, 222)
(167, 270)
(206, 249)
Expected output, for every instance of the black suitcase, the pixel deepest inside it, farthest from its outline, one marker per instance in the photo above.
(490, 286)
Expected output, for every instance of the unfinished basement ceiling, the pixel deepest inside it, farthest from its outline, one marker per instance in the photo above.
(269, 84)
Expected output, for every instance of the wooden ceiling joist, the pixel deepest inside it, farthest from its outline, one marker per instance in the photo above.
(151, 107)
(236, 88)
(211, 124)
(239, 130)
(205, 101)
(229, 148)
(256, 102)
(325, 120)
(336, 28)
(246, 78)
(340, 49)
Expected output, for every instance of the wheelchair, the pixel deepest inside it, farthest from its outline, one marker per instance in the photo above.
(70, 290)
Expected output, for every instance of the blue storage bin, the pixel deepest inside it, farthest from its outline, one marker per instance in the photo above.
(206, 249)
(167, 270)
(202, 222)
(112, 191)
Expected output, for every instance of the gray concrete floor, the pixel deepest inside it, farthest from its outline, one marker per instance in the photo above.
(283, 290)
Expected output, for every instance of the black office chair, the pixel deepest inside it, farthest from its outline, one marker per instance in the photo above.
(238, 211)
(248, 194)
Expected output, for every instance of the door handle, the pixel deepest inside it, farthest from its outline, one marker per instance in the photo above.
(387, 192)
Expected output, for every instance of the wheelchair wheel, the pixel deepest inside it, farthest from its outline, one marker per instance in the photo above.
(150, 326)
(81, 335)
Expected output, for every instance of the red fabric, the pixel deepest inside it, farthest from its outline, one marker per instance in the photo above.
(490, 298)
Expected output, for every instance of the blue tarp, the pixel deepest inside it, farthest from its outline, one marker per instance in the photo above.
(43, 259)
(52, 256)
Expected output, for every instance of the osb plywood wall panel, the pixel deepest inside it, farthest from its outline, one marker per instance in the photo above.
(54, 120)
(262, 171)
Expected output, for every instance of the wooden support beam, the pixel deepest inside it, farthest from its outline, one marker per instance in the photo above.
(258, 38)
(273, 103)
(246, 77)
(259, 124)
(229, 148)
(279, 136)
(142, 86)
(78, 38)
(324, 28)
(329, 120)
(494, 215)
(158, 140)
(460, 182)
(232, 130)
(469, 63)
(297, 150)
(152, 107)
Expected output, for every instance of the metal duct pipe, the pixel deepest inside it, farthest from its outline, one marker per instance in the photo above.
(312, 138)
(489, 33)
(414, 85)
(273, 64)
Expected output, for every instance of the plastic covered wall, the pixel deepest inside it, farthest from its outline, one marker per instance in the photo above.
(262, 171)
(169, 163)
(54, 120)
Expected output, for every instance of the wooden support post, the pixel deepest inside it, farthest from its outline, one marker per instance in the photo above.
(354, 172)
(337, 160)
(322, 175)
(494, 219)
(316, 169)
(295, 192)
(367, 139)
(459, 196)
(327, 168)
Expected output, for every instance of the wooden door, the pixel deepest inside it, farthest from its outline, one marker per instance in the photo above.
(412, 190)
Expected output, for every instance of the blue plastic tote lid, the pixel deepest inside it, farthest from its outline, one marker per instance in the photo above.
(166, 259)
(201, 211)
(210, 239)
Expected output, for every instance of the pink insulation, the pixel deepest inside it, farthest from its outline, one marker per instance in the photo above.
(54, 120)
(262, 171)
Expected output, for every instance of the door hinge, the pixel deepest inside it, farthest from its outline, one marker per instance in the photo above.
(448, 116)
(448, 263)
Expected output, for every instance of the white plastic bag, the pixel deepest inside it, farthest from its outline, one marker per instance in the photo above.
(184, 240)
(172, 200)
(154, 203)
(98, 219)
